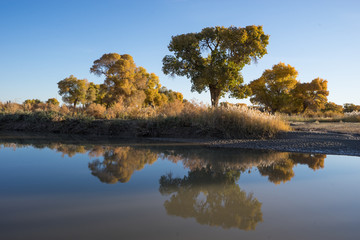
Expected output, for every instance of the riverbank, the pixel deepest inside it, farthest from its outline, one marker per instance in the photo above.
(326, 138)
(219, 123)
(302, 140)
(335, 138)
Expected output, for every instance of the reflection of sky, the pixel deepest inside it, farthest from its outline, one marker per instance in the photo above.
(48, 196)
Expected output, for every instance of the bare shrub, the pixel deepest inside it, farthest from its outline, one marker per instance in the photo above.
(115, 111)
(171, 109)
(52, 107)
(11, 107)
(352, 117)
(95, 110)
(64, 110)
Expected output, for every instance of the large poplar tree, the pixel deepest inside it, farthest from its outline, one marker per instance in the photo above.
(213, 58)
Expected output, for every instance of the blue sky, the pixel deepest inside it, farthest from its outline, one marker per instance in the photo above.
(43, 42)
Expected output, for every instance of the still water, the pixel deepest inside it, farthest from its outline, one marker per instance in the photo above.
(82, 189)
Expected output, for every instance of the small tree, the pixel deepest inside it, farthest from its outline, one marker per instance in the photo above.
(350, 107)
(125, 82)
(52, 101)
(333, 107)
(273, 89)
(311, 95)
(91, 93)
(213, 58)
(73, 90)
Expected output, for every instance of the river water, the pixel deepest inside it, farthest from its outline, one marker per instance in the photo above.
(119, 189)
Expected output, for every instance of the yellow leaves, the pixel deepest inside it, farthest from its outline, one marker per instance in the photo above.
(273, 88)
(73, 90)
(279, 90)
(127, 81)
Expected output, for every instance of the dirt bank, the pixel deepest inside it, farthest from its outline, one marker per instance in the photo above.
(326, 138)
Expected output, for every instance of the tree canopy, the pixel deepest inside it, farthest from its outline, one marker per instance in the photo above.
(273, 89)
(312, 95)
(73, 90)
(279, 90)
(125, 82)
(213, 58)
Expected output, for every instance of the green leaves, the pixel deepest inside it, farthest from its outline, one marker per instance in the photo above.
(213, 58)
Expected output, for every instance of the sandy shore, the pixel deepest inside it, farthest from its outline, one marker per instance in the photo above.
(300, 141)
(325, 138)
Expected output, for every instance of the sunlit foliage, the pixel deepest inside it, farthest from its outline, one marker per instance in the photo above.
(213, 58)
(333, 107)
(92, 93)
(125, 82)
(350, 107)
(32, 104)
(310, 96)
(53, 101)
(273, 89)
(73, 90)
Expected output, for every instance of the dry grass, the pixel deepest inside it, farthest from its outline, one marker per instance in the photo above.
(322, 117)
(170, 119)
(338, 127)
(352, 117)
(226, 122)
(96, 110)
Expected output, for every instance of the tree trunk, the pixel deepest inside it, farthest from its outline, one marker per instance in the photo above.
(75, 102)
(215, 95)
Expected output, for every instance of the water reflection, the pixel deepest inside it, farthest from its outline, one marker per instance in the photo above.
(212, 198)
(227, 189)
(116, 163)
(210, 192)
(119, 163)
(282, 170)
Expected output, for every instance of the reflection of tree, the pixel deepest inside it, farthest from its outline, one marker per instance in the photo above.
(70, 150)
(278, 166)
(120, 160)
(212, 198)
(282, 171)
(229, 159)
(278, 172)
(314, 161)
(120, 163)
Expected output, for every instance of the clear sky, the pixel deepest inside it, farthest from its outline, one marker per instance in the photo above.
(43, 42)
